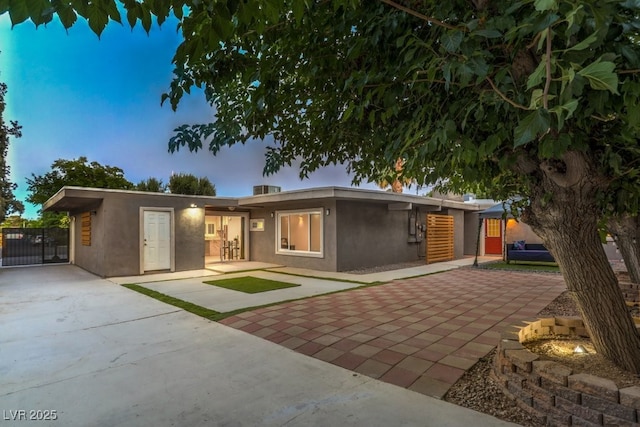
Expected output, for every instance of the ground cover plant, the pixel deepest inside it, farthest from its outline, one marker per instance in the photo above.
(185, 305)
(523, 266)
(250, 284)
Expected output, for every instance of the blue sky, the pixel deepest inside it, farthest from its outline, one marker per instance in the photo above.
(76, 95)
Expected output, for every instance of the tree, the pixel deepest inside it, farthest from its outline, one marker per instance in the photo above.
(153, 185)
(190, 184)
(8, 203)
(539, 98)
(76, 172)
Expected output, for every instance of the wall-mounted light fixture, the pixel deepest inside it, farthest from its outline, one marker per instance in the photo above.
(272, 214)
(231, 208)
(193, 205)
(327, 211)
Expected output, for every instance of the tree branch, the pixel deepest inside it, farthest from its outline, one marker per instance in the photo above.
(547, 84)
(503, 96)
(636, 71)
(420, 15)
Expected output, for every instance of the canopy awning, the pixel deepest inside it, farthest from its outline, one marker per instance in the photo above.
(501, 210)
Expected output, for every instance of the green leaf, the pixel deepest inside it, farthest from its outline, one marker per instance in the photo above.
(4, 6)
(67, 17)
(97, 18)
(132, 16)
(38, 11)
(18, 12)
(584, 43)
(530, 127)
(601, 76)
(451, 40)
(298, 8)
(536, 77)
(543, 5)
(490, 34)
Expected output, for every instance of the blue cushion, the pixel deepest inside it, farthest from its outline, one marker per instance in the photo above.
(518, 245)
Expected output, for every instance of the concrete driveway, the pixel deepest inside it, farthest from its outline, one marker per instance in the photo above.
(96, 354)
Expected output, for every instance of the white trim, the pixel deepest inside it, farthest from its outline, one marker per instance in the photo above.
(245, 217)
(278, 233)
(172, 246)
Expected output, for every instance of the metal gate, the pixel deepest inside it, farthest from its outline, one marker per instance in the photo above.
(26, 246)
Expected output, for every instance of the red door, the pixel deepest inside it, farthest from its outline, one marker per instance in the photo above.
(493, 236)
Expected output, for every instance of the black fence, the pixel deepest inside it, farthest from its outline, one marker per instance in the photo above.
(27, 246)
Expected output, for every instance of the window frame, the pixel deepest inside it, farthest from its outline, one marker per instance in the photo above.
(296, 252)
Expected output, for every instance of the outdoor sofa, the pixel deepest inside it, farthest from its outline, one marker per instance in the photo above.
(531, 252)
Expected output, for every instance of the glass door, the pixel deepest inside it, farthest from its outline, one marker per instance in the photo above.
(225, 237)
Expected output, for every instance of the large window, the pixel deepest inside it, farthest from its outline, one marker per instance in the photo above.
(299, 232)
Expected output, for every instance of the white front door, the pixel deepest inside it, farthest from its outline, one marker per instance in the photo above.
(157, 240)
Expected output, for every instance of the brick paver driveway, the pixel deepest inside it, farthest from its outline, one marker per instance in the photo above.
(420, 333)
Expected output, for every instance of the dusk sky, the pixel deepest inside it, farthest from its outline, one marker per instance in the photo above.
(75, 95)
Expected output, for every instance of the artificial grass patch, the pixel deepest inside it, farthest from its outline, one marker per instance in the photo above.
(186, 306)
(549, 267)
(250, 284)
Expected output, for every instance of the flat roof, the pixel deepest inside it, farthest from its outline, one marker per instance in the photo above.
(352, 194)
(70, 198)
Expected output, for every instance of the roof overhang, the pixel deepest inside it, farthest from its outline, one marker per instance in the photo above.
(394, 201)
(78, 199)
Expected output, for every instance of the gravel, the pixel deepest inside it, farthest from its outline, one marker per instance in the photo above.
(478, 390)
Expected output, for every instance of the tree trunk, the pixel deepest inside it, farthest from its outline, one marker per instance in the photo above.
(567, 222)
(624, 229)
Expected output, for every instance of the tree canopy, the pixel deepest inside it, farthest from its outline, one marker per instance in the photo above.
(8, 202)
(190, 184)
(76, 172)
(151, 184)
(539, 98)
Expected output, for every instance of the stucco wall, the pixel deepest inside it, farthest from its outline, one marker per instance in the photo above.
(370, 234)
(471, 234)
(520, 231)
(263, 247)
(115, 243)
(458, 231)
(90, 257)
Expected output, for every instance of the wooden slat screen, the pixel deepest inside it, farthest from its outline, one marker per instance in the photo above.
(439, 238)
(86, 228)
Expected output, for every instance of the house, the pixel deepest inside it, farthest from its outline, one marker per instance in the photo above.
(120, 233)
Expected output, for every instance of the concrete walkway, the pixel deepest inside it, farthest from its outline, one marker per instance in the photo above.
(95, 354)
(189, 285)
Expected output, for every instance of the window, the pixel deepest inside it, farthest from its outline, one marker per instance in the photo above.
(211, 228)
(494, 228)
(299, 233)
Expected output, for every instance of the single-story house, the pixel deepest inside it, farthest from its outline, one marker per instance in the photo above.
(120, 233)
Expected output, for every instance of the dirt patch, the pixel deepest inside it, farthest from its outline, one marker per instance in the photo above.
(562, 351)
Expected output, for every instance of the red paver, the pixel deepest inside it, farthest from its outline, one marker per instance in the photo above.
(420, 333)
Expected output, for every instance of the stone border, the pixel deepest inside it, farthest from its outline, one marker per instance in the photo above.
(550, 391)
